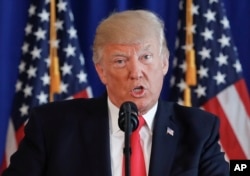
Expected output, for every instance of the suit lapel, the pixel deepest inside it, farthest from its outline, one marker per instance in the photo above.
(164, 144)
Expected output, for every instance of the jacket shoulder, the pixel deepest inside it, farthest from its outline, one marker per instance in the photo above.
(70, 105)
(190, 116)
(69, 110)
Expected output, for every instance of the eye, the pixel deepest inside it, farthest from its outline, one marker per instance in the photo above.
(119, 62)
(147, 58)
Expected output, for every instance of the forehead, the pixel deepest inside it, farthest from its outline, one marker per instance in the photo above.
(124, 48)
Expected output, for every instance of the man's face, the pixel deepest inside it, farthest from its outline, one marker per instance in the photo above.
(133, 72)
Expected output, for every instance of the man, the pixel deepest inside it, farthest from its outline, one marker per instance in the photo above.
(82, 137)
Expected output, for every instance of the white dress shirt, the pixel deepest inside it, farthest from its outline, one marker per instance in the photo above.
(117, 138)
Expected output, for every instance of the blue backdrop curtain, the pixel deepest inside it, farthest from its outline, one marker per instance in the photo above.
(88, 13)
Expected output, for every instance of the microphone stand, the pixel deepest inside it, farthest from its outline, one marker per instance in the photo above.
(127, 148)
(127, 122)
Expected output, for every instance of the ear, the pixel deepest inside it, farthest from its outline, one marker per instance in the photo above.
(101, 72)
(165, 64)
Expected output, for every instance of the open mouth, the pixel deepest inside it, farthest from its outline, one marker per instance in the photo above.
(138, 91)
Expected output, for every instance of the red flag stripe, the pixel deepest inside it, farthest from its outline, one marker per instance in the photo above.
(232, 146)
(234, 110)
(20, 134)
(86, 93)
(3, 165)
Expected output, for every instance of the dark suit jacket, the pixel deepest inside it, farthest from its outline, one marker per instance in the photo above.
(71, 138)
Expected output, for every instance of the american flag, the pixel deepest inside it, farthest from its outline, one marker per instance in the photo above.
(220, 87)
(33, 84)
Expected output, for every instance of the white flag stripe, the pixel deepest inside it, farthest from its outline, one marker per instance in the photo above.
(225, 154)
(237, 116)
(11, 144)
(89, 91)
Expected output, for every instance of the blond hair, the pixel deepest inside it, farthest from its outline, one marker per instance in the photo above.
(128, 27)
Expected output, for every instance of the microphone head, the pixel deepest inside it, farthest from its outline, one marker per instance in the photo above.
(129, 108)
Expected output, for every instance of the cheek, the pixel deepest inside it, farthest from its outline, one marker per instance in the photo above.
(111, 78)
(114, 78)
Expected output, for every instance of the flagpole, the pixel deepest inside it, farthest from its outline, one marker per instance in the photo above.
(54, 62)
(190, 77)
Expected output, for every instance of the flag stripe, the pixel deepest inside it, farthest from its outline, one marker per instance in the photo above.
(11, 142)
(84, 93)
(232, 146)
(20, 134)
(3, 164)
(234, 108)
(244, 96)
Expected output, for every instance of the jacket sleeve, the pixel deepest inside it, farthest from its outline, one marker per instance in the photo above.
(212, 161)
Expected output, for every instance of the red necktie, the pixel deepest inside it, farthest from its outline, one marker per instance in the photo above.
(137, 158)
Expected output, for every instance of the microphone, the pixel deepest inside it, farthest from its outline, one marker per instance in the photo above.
(128, 113)
(128, 122)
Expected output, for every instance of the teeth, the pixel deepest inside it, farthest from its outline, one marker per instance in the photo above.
(137, 89)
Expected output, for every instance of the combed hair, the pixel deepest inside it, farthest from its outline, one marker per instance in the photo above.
(131, 26)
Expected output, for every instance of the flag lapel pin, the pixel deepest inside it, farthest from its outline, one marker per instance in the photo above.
(170, 131)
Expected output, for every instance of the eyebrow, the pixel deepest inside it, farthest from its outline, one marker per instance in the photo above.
(120, 52)
(147, 47)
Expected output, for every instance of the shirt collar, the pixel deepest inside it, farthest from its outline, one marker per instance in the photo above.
(113, 115)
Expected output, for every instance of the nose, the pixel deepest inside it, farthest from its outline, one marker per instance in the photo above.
(135, 69)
